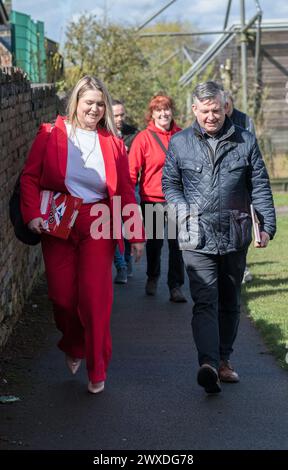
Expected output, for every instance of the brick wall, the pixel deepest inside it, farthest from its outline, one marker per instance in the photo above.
(22, 109)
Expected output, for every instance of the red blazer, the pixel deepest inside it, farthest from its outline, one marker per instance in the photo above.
(45, 168)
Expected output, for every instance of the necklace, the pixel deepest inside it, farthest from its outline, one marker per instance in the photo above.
(86, 158)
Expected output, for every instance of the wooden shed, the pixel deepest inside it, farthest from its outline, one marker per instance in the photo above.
(225, 52)
(274, 87)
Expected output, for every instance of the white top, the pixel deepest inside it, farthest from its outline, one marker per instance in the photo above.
(85, 173)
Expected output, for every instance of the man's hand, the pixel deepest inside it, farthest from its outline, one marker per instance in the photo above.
(36, 225)
(265, 237)
(137, 250)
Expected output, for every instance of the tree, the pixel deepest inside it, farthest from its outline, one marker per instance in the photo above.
(169, 58)
(133, 68)
(112, 54)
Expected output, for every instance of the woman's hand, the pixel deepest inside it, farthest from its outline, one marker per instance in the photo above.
(137, 250)
(36, 225)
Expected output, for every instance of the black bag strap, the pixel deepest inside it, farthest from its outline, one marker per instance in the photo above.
(157, 138)
(22, 232)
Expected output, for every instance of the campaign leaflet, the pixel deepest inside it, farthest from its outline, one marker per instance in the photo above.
(59, 212)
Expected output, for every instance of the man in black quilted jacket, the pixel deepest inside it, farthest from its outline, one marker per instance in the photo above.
(213, 172)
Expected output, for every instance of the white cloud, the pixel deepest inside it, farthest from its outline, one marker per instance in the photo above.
(206, 14)
(53, 13)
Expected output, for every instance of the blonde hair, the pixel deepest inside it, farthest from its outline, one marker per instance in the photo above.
(91, 83)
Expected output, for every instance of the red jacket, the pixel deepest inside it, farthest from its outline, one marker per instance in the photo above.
(147, 157)
(46, 164)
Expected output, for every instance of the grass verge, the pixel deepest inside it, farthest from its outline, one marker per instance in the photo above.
(266, 297)
(280, 199)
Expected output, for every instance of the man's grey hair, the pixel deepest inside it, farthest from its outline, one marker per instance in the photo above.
(208, 91)
(228, 95)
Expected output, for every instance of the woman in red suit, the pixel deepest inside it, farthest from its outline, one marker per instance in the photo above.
(82, 156)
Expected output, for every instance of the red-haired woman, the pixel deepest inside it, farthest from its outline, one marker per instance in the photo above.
(146, 159)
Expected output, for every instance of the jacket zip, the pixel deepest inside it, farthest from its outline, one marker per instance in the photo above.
(210, 154)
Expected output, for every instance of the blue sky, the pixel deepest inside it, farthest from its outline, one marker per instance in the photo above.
(206, 14)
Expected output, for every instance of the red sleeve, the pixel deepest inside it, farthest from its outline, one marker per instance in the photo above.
(136, 157)
(31, 174)
(126, 190)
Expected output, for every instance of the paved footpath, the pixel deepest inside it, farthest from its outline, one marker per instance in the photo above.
(151, 400)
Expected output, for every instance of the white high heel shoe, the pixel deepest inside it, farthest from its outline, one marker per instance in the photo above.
(96, 388)
(73, 364)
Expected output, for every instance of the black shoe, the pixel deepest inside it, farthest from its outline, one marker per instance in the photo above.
(208, 378)
(129, 268)
(121, 276)
(151, 286)
(176, 295)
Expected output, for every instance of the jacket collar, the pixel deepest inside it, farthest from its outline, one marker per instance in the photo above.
(109, 151)
(225, 132)
(62, 144)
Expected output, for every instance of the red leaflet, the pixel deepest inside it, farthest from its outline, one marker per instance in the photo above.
(59, 212)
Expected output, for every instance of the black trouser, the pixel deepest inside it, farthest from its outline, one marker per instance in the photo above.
(215, 285)
(153, 254)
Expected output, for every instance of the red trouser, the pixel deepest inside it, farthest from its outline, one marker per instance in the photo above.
(79, 275)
